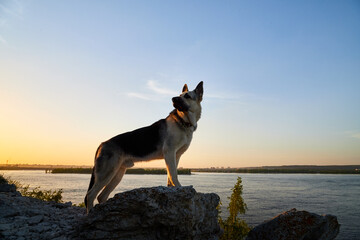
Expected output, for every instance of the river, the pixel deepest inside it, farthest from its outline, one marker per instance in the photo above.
(266, 195)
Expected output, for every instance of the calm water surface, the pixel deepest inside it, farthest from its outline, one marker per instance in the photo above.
(266, 195)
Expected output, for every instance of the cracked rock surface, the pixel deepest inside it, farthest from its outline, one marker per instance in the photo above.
(154, 213)
(144, 213)
(29, 218)
(295, 224)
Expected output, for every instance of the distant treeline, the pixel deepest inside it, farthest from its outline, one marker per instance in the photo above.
(36, 166)
(279, 170)
(71, 170)
(310, 169)
(182, 171)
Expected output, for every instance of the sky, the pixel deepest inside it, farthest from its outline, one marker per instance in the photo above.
(281, 78)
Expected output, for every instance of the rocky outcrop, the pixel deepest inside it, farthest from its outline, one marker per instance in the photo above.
(154, 213)
(295, 224)
(28, 218)
(145, 213)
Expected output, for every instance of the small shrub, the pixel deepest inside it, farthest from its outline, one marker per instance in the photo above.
(80, 205)
(45, 195)
(234, 227)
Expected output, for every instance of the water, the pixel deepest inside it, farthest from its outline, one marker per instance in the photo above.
(266, 195)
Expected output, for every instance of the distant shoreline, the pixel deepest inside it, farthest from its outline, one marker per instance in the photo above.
(282, 171)
(161, 171)
(302, 169)
(88, 170)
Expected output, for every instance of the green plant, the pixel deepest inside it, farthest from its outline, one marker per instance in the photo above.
(45, 195)
(82, 204)
(17, 184)
(234, 227)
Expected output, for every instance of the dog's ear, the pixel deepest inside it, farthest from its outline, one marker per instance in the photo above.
(199, 90)
(185, 88)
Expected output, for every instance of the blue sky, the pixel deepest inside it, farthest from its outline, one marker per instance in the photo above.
(281, 78)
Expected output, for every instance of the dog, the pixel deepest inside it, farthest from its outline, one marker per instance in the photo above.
(166, 139)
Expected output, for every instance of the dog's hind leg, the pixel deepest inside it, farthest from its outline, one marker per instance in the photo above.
(93, 192)
(105, 169)
(111, 185)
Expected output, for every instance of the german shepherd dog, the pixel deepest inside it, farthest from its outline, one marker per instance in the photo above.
(166, 139)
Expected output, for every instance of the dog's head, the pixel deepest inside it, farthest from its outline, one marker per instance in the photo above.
(189, 102)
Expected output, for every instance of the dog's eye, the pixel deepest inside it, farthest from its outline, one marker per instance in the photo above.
(187, 96)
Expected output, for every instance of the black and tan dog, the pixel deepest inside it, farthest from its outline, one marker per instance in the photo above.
(167, 138)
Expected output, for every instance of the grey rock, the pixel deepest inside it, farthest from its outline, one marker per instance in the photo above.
(42, 227)
(35, 219)
(7, 188)
(39, 228)
(60, 238)
(23, 231)
(145, 213)
(295, 224)
(21, 219)
(7, 234)
(8, 210)
(154, 213)
(6, 226)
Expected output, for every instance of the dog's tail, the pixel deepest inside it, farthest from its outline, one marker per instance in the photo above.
(92, 180)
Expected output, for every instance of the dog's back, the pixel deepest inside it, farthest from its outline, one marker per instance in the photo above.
(141, 142)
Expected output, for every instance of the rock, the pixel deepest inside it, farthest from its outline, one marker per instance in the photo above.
(154, 213)
(6, 226)
(23, 231)
(145, 213)
(7, 188)
(295, 224)
(29, 218)
(41, 228)
(35, 219)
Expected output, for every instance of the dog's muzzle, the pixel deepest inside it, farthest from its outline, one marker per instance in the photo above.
(179, 104)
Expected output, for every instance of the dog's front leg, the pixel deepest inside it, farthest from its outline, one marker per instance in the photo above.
(169, 183)
(171, 164)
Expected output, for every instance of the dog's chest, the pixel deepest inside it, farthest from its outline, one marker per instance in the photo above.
(179, 140)
(186, 140)
(188, 137)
